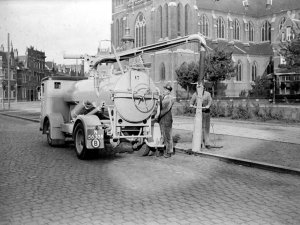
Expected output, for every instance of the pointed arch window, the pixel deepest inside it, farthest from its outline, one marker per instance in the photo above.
(140, 31)
(282, 23)
(162, 73)
(220, 28)
(186, 19)
(266, 31)
(254, 71)
(179, 7)
(122, 29)
(117, 32)
(251, 31)
(236, 30)
(160, 21)
(239, 71)
(203, 25)
(167, 19)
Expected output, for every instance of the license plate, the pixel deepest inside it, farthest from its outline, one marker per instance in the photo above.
(95, 137)
(94, 134)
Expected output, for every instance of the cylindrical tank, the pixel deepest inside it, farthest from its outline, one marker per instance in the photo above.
(134, 94)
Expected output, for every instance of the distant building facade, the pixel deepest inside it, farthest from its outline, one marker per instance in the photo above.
(4, 74)
(31, 70)
(70, 70)
(252, 30)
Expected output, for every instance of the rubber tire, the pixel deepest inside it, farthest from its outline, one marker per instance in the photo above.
(79, 142)
(144, 150)
(48, 130)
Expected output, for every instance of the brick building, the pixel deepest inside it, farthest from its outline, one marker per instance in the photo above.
(31, 70)
(252, 29)
(4, 74)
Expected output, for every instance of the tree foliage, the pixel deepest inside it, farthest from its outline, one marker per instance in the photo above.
(218, 67)
(187, 74)
(260, 87)
(291, 52)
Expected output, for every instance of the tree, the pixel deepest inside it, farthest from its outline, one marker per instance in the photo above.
(291, 52)
(260, 87)
(187, 74)
(218, 67)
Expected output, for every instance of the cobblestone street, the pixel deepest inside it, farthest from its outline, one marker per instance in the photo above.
(44, 185)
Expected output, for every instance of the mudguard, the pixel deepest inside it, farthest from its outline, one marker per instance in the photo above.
(56, 119)
(94, 134)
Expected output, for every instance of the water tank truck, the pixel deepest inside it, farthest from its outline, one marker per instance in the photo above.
(102, 110)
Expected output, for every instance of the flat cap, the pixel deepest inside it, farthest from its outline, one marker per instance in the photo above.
(168, 87)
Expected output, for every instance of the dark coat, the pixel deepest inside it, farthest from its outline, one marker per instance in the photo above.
(165, 117)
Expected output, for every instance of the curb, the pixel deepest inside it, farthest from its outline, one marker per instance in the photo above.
(20, 117)
(244, 162)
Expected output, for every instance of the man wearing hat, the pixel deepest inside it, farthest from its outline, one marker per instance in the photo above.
(166, 120)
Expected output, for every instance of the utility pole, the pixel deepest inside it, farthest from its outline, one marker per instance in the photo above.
(197, 134)
(2, 77)
(16, 90)
(8, 71)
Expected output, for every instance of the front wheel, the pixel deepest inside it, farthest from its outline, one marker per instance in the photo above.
(79, 141)
(143, 150)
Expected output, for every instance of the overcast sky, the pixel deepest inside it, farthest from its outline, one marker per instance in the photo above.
(55, 26)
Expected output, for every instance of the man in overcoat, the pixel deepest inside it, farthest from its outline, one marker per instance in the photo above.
(166, 120)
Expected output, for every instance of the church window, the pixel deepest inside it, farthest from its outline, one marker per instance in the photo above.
(140, 31)
(203, 25)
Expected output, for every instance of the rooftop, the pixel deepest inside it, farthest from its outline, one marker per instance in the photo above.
(242, 48)
(256, 8)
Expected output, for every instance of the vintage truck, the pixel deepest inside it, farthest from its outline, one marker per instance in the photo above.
(104, 109)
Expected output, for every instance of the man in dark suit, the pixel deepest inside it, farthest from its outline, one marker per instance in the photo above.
(166, 120)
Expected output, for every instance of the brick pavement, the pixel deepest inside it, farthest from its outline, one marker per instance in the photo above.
(43, 185)
(246, 143)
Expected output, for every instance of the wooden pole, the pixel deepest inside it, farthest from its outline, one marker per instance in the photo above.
(197, 133)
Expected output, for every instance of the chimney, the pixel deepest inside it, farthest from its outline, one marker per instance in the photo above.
(268, 4)
(246, 4)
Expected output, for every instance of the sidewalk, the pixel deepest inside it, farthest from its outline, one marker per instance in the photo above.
(265, 146)
(264, 131)
(271, 155)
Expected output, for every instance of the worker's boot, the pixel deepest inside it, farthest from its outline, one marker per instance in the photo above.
(166, 154)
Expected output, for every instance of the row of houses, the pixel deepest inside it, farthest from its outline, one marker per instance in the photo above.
(27, 71)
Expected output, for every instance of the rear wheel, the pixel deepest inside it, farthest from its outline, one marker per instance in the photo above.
(79, 141)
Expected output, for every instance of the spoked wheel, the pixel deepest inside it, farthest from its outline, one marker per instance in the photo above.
(48, 132)
(140, 99)
(79, 141)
